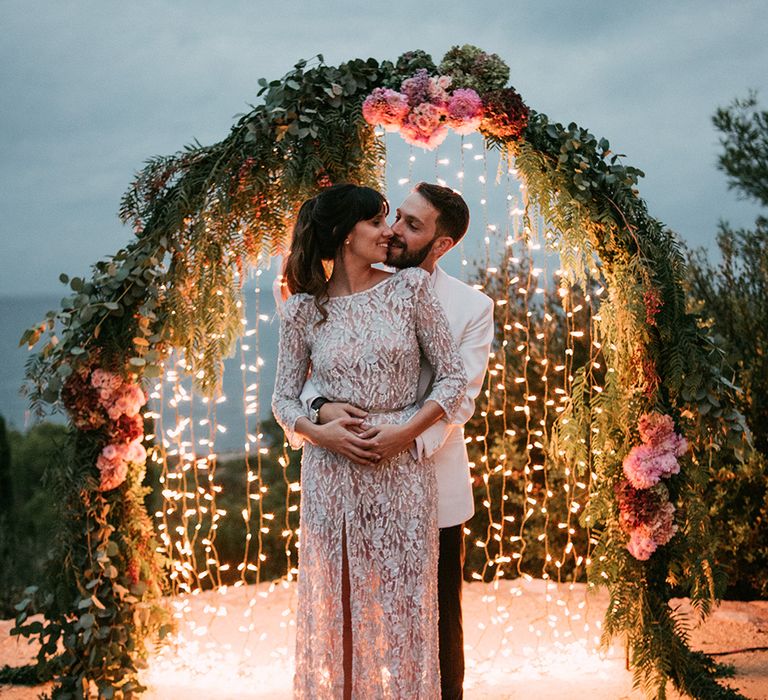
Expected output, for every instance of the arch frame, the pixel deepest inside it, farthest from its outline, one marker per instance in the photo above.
(203, 214)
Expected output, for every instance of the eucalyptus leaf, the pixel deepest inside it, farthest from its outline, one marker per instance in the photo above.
(152, 371)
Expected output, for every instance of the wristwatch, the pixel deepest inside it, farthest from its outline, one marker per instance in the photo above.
(314, 408)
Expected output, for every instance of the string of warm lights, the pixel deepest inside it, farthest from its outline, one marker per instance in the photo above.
(529, 494)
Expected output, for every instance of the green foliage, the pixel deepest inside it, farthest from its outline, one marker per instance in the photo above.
(657, 361)
(27, 522)
(19, 675)
(407, 65)
(731, 301)
(99, 585)
(737, 500)
(6, 485)
(587, 191)
(114, 311)
(470, 67)
(744, 139)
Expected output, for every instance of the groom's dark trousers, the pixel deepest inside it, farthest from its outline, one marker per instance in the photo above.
(449, 578)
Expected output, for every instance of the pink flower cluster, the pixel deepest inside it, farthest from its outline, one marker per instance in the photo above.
(424, 109)
(122, 401)
(657, 457)
(645, 511)
(644, 539)
(647, 516)
(113, 462)
(385, 107)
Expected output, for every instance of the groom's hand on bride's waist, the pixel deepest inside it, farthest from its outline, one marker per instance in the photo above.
(333, 410)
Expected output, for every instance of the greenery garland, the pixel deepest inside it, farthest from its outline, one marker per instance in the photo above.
(203, 214)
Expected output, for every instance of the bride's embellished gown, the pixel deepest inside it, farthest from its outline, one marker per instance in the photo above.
(367, 353)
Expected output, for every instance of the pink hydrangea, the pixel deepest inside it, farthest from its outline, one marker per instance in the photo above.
(663, 525)
(657, 457)
(136, 452)
(647, 537)
(127, 402)
(135, 398)
(655, 428)
(674, 444)
(106, 383)
(423, 88)
(113, 476)
(424, 109)
(112, 452)
(113, 462)
(122, 401)
(423, 127)
(644, 503)
(641, 467)
(464, 111)
(641, 543)
(112, 466)
(385, 107)
(101, 378)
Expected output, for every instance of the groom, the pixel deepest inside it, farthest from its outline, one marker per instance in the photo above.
(430, 222)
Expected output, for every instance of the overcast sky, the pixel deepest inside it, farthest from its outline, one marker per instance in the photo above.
(90, 89)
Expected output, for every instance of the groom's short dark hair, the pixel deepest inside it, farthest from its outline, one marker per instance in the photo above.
(452, 210)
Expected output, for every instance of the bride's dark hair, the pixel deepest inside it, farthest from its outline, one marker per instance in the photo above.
(323, 224)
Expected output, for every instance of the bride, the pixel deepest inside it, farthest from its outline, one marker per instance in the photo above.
(367, 590)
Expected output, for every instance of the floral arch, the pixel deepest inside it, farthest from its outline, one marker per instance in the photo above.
(645, 407)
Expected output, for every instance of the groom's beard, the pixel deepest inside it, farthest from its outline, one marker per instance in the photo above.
(400, 257)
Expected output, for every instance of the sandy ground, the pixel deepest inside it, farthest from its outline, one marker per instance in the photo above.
(523, 640)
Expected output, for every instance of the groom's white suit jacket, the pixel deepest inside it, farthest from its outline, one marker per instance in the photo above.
(470, 317)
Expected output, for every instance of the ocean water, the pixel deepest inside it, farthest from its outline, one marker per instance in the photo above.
(236, 411)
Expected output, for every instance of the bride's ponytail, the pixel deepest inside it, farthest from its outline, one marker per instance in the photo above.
(322, 225)
(304, 270)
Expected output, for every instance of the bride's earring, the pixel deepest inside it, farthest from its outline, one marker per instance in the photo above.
(346, 242)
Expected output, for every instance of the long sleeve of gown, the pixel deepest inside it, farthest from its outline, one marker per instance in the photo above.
(438, 346)
(292, 368)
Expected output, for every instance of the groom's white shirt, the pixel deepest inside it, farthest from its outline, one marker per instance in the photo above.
(470, 318)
